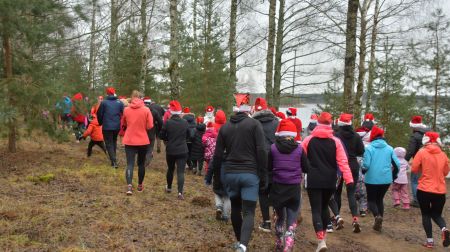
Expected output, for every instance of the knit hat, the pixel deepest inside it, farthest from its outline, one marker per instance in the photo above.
(416, 122)
(77, 97)
(210, 125)
(243, 102)
(280, 115)
(345, 119)
(286, 128)
(291, 112)
(260, 104)
(369, 117)
(325, 118)
(147, 100)
(186, 110)
(209, 109)
(110, 91)
(376, 133)
(313, 118)
(431, 137)
(200, 119)
(175, 107)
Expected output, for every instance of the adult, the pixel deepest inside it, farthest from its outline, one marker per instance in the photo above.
(354, 148)
(433, 165)
(161, 111)
(109, 114)
(137, 119)
(190, 119)
(219, 120)
(326, 155)
(209, 114)
(312, 124)
(241, 148)
(379, 158)
(415, 143)
(292, 116)
(175, 132)
(153, 132)
(269, 124)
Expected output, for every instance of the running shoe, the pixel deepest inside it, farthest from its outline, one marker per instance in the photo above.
(180, 196)
(339, 223)
(330, 228)
(279, 243)
(288, 242)
(168, 190)
(362, 213)
(218, 213)
(429, 245)
(445, 238)
(322, 246)
(140, 188)
(129, 190)
(378, 223)
(265, 227)
(356, 227)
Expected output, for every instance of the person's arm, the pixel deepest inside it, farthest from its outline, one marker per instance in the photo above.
(367, 160)
(89, 130)
(342, 161)
(209, 175)
(159, 121)
(411, 148)
(359, 146)
(395, 165)
(163, 132)
(218, 152)
(416, 166)
(261, 155)
(305, 162)
(269, 162)
(446, 167)
(149, 120)
(100, 113)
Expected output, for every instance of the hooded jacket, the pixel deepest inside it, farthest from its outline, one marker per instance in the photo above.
(157, 123)
(175, 132)
(109, 113)
(415, 142)
(190, 119)
(219, 120)
(432, 163)
(198, 150)
(380, 163)
(353, 146)
(137, 119)
(402, 177)
(209, 142)
(326, 155)
(94, 130)
(269, 124)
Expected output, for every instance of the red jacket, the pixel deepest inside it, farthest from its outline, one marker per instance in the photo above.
(137, 119)
(298, 125)
(94, 130)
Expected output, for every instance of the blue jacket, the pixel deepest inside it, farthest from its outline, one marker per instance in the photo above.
(109, 113)
(379, 158)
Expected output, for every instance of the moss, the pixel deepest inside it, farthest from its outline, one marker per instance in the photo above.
(46, 178)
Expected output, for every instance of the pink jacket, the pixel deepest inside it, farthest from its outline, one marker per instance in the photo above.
(137, 119)
(402, 177)
(209, 141)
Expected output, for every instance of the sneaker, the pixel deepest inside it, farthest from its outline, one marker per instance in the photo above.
(356, 227)
(168, 190)
(265, 227)
(405, 206)
(362, 213)
(129, 190)
(322, 246)
(429, 245)
(279, 243)
(241, 248)
(140, 188)
(194, 171)
(180, 196)
(378, 223)
(445, 238)
(330, 228)
(235, 245)
(288, 242)
(339, 223)
(219, 213)
(114, 165)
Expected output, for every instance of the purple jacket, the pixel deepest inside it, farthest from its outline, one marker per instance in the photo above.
(287, 168)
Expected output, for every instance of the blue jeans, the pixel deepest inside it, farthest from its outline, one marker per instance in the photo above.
(414, 183)
(243, 185)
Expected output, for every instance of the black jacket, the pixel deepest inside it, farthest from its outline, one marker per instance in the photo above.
(157, 123)
(175, 132)
(158, 108)
(109, 113)
(269, 124)
(353, 145)
(190, 118)
(415, 142)
(241, 146)
(198, 150)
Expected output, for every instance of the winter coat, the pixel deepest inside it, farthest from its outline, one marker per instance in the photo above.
(137, 119)
(353, 146)
(298, 125)
(109, 113)
(433, 164)
(159, 109)
(209, 142)
(415, 142)
(402, 177)
(287, 162)
(94, 130)
(269, 124)
(219, 120)
(157, 123)
(175, 132)
(326, 155)
(364, 133)
(190, 119)
(310, 128)
(379, 158)
(198, 150)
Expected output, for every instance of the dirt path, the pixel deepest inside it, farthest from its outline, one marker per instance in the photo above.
(83, 207)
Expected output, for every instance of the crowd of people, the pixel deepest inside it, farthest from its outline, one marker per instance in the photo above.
(261, 154)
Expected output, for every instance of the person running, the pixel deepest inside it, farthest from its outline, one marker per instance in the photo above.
(78, 114)
(354, 148)
(433, 165)
(292, 115)
(198, 149)
(312, 124)
(94, 131)
(137, 119)
(269, 124)
(287, 162)
(175, 133)
(379, 158)
(156, 107)
(326, 155)
(415, 143)
(109, 115)
(63, 108)
(400, 186)
(157, 125)
(209, 141)
(241, 148)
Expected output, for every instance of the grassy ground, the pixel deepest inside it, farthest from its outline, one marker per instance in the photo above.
(53, 198)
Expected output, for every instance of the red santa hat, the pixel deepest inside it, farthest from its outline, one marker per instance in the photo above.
(186, 110)
(286, 128)
(243, 102)
(345, 119)
(77, 97)
(260, 104)
(376, 132)
(291, 111)
(416, 122)
(325, 118)
(280, 115)
(431, 137)
(200, 120)
(209, 109)
(147, 100)
(175, 107)
(313, 117)
(110, 91)
(369, 117)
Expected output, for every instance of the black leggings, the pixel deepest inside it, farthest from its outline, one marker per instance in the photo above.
(242, 219)
(91, 144)
(180, 162)
(130, 152)
(264, 203)
(319, 199)
(375, 197)
(350, 195)
(431, 205)
(198, 164)
(110, 138)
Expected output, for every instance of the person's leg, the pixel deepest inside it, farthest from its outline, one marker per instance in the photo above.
(130, 152)
(158, 145)
(170, 170)
(380, 198)
(395, 189)
(115, 134)
(424, 201)
(279, 211)
(101, 144)
(371, 199)
(414, 183)
(325, 213)
(226, 207)
(264, 205)
(404, 196)
(351, 197)
(248, 219)
(108, 138)
(315, 201)
(89, 149)
(200, 166)
(149, 153)
(236, 216)
(142, 152)
(437, 205)
(338, 194)
(188, 158)
(181, 163)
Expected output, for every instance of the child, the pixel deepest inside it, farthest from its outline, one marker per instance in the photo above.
(94, 130)
(209, 141)
(287, 161)
(198, 150)
(400, 185)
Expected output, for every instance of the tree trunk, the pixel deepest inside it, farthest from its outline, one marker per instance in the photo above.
(350, 54)
(173, 65)
(278, 55)
(270, 49)
(194, 27)
(232, 44)
(373, 46)
(113, 37)
(92, 47)
(8, 64)
(437, 80)
(357, 105)
(144, 35)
